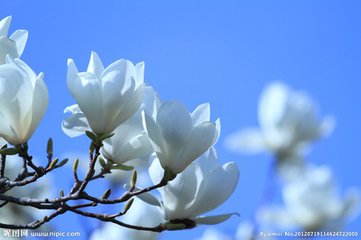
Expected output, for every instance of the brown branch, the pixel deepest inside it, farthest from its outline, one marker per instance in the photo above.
(77, 193)
(109, 218)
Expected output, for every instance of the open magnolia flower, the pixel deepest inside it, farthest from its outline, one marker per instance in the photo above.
(312, 203)
(179, 137)
(106, 96)
(288, 121)
(13, 45)
(200, 188)
(23, 101)
(129, 141)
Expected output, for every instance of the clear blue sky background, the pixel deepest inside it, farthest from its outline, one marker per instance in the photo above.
(222, 52)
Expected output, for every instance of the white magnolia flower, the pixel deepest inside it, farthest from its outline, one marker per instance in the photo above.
(107, 96)
(179, 137)
(13, 45)
(200, 188)
(288, 120)
(23, 101)
(312, 203)
(140, 214)
(130, 141)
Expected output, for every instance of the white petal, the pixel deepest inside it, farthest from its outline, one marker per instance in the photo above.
(175, 124)
(129, 141)
(147, 198)
(139, 71)
(39, 104)
(4, 26)
(76, 124)
(20, 37)
(7, 47)
(211, 220)
(122, 71)
(130, 107)
(247, 140)
(179, 194)
(156, 171)
(86, 90)
(201, 114)
(156, 139)
(152, 102)
(200, 140)
(213, 192)
(328, 125)
(95, 65)
(272, 105)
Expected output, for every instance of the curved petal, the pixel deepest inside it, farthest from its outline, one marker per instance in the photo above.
(156, 139)
(328, 124)
(200, 140)
(86, 90)
(20, 37)
(152, 102)
(122, 71)
(95, 65)
(211, 220)
(130, 106)
(39, 104)
(201, 114)
(4, 26)
(179, 194)
(156, 171)
(213, 192)
(129, 141)
(247, 140)
(7, 47)
(175, 124)
(147, 197)
(139, 72)
(272, 105)
(76, 124)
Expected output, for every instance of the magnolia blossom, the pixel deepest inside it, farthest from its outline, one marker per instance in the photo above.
(13, 45)
(200, 188)
(140, 214)
(288, 120)
(129, 142)
(23, 101)
(312, 203)
(107, 97)
(179, 137)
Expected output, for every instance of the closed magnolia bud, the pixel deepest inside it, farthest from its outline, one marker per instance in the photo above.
(179, 136)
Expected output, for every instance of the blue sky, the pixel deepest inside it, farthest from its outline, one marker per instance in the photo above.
(222, 52)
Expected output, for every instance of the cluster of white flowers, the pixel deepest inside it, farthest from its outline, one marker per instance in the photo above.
(310, 200)
(114, 103)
